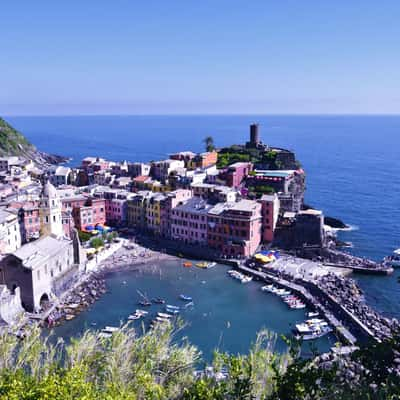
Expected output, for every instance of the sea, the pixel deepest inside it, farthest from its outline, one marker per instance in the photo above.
(352, 166)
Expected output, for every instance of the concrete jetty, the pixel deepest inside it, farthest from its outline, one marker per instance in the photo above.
(324, 309)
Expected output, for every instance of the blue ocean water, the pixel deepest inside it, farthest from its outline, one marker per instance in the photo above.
(352, 165)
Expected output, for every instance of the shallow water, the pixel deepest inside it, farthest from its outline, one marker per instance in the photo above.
(226, 314)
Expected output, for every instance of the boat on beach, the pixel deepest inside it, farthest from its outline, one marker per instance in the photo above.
(187, 264)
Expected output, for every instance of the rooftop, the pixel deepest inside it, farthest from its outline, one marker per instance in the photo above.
(195, 205)
(33, 254)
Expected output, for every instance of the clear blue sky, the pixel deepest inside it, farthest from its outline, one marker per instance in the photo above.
(135, 57)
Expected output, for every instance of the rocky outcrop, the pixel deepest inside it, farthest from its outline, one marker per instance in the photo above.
(14, 143)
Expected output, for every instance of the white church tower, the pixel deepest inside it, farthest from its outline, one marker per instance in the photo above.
(50, 212)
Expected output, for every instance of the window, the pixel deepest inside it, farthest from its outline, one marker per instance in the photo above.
(38, 275)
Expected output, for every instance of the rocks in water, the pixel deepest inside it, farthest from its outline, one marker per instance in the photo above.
(78, 299)
(335, 223)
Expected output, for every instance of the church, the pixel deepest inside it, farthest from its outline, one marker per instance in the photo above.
(44, 269)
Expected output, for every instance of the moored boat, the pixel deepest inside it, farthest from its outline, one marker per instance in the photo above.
(185, 297)
(394, 259)
(187, 264)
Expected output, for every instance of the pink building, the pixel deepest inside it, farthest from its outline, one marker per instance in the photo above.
(172, 199)
(235, 173)
(189, 221)
(28, 218)
(91, 213)
(235, 228)
(270, 212)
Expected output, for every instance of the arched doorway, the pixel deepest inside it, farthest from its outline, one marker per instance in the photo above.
(44, 302)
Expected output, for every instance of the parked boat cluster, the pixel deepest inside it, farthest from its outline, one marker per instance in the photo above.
(312, 328)
(290, 299)
(239, 276)
(346, 292)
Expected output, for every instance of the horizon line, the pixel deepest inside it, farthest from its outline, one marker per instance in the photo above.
(204, 114)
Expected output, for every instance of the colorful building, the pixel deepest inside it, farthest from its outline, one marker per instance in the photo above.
(270, 206)
(189, 221)
(234, 229)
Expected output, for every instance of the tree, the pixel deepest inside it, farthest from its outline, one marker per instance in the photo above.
(209, 142)
(97, 242)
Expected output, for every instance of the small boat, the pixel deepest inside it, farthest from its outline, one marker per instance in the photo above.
(394, 259)
(202, 265)
(104, 335)
(318, 333)
(172, 310)
(267, 288)
(158, 300)
(134, 316)
(312, 314)
(164, 315)
(172, 307)
(185, 298)
(145, 303)
(211, 264)
(187, 264)
(110, 329)
(141, 312)
(298, 305)
(246, 279)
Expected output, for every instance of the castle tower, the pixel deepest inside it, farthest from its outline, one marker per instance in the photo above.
(50, 211)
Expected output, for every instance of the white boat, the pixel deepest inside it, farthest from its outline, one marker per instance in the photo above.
(211, 264)
(104, 335)
(110, 329)
(317, 333)
(246, 279)
(298, 305)
(141, 312)
(312, 314)
(283, 292)
(394, 259)
(267, 288)
(164, 315)
(303, 328)
(134, 316)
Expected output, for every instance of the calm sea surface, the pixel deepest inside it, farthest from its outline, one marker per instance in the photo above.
(353, 172)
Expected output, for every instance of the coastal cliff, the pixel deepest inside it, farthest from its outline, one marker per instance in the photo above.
(14, 143)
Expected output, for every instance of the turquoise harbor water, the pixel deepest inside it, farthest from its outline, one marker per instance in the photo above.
(352, 165)
(225, 313)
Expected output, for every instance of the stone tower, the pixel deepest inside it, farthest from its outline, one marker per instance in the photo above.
(50, 212)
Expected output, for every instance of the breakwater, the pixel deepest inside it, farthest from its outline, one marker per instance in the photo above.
(340, 301)
(308, 298)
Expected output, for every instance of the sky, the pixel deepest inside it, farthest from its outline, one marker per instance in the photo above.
(199, 57)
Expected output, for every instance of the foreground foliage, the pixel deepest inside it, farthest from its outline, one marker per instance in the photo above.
(153, 365)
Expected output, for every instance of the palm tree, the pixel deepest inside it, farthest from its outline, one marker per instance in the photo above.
(209, 142)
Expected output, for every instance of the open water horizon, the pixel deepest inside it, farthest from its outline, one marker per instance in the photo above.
(352, 165)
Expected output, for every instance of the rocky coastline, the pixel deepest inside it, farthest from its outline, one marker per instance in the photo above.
(347, 293)
(79, 299)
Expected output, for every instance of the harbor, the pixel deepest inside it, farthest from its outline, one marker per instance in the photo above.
(231, 312)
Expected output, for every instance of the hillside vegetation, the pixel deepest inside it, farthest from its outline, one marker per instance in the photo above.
(12, 142)
(153, 366)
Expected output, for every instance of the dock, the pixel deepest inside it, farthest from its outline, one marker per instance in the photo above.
(329, 308)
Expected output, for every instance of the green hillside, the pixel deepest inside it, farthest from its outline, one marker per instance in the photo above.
(12, 142)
